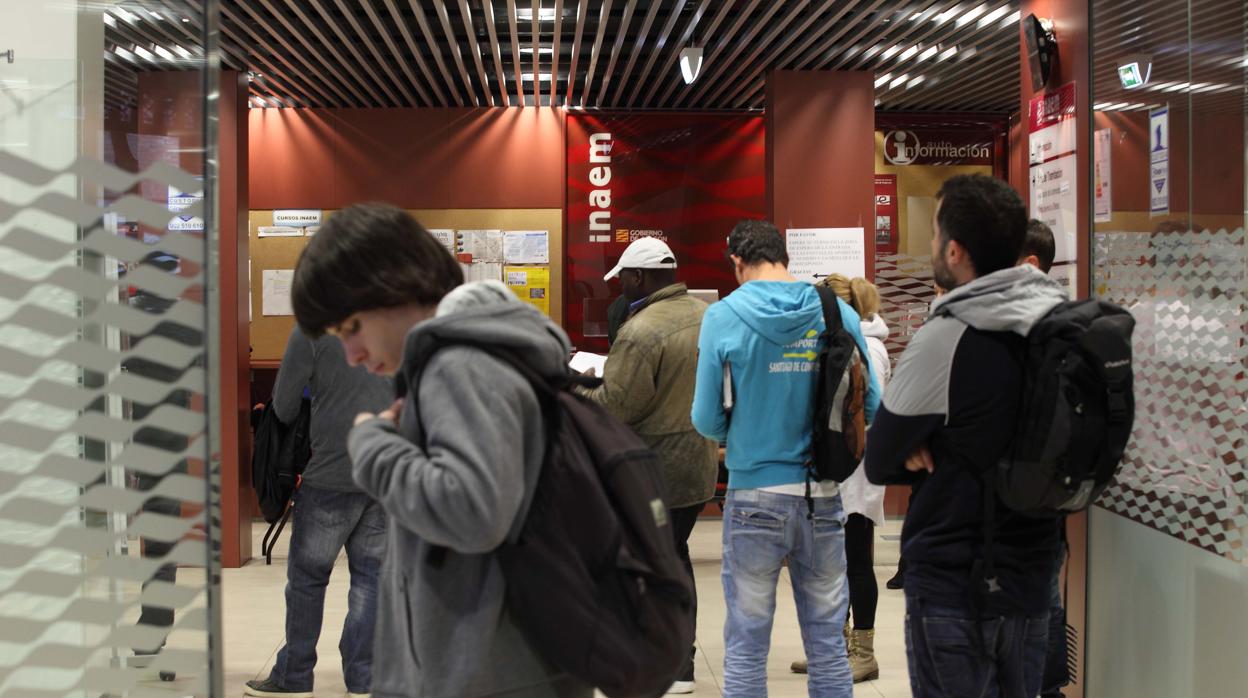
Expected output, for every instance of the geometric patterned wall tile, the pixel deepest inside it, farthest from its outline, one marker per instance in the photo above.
(1185, 471)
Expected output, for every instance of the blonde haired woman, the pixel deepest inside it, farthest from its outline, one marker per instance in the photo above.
(863, 501)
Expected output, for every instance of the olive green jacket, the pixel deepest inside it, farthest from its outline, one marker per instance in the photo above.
(648, 384)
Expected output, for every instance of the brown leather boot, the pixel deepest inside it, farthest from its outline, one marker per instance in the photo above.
(862, 656)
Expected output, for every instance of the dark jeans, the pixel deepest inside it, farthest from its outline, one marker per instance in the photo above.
(864, 591)
(949, 657)
(324, 522)
(683, 520)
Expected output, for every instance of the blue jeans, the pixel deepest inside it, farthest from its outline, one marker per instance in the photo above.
(324, 523)
(761, 530)
(949, 658)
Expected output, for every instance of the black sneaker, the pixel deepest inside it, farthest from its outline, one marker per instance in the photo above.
(269, 687)
(898, 580)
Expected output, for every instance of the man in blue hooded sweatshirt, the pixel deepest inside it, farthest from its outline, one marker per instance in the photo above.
(760, 344)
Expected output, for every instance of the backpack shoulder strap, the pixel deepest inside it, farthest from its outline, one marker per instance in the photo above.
(831, 309)
(547, 396)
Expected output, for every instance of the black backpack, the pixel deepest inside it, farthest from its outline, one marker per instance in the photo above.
(593, 579)
(1076, 411)
(280, 454)
(838, 437)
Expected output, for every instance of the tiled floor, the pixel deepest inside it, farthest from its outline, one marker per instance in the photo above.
(254, 615)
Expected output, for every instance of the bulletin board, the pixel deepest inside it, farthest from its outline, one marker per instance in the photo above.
(270, 332)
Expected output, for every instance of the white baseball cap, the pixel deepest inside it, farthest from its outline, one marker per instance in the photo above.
(644, 253)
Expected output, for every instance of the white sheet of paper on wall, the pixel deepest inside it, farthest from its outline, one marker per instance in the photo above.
(275, 291)
(278, 231)
(484, 271)
(446, 236)
(526, 247)
(483, 245)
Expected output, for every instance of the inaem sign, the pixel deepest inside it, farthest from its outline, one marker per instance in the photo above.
(907, 148)
(600, 145)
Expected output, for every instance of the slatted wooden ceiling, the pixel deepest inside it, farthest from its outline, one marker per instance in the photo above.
(594, 54)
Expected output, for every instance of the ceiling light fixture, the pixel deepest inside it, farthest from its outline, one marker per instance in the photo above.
(140, 51)
(992, 16)
(909, 53)
(970, 15)
(544, 14)
(890, 52)
(898, 81)
(947, 54)
(690, 64)
(1012, 19)
(883, 79)
(164, 53)
(945, 16)
(916, 81)
(543, 77)
(928, 53)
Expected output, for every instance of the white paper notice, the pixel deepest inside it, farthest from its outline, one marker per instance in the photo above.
(582, 361)
(278, 231)
(275, 291)
(815, 253)
(526, 247)
(446, 236)
(483, 245)
(482, 271)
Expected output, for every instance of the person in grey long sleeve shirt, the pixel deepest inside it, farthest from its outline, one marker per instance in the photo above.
(330, 513)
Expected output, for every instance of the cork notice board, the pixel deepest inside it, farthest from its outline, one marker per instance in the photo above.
(270, 332)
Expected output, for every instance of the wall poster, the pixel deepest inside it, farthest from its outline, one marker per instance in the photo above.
(886, 232)
(1054, 166)
(1102, 176)
(686, 179)
(1159, 161)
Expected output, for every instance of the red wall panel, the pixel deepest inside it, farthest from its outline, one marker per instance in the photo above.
(821, 150)
(414, 158)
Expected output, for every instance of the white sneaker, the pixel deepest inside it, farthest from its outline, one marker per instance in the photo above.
(680, 687)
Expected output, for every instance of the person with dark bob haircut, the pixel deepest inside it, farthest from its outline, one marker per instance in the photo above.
(374, 256)
(449, 462)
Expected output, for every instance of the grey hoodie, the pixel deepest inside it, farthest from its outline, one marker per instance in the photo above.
(1010, 300)
(445, 630)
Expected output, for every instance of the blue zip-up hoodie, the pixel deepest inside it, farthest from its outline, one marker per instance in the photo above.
(767, 332)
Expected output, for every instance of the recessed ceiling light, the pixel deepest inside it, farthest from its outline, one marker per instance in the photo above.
(947, 54)
(544, 14)
(909, 53)
(890, 52)
(883, 79)
(916, 81)
(897, 82)
(970, 15)
(545, 50)
(992, 16)
(528, 77)
(164, 53)
(1012, 19)
(928, 53)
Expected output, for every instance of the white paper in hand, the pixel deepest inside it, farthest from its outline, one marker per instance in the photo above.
(582, 361)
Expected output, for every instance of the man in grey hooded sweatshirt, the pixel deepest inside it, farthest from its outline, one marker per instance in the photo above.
(950, 410)
(449, 462)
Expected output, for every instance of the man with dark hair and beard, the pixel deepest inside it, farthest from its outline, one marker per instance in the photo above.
(977, 574)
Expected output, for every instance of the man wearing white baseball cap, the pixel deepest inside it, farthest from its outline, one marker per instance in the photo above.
(648, 384)
(644, 253)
